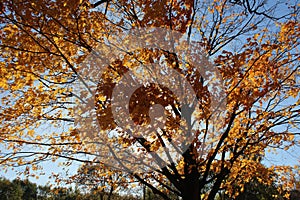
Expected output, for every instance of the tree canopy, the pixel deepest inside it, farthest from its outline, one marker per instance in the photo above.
(184, 97)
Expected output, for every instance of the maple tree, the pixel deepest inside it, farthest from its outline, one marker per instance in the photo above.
(46, 46)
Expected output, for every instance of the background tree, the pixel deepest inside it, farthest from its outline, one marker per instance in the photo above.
(253, 44)
(44, 192)
(9, 190)
(29, 189)
(256, 190)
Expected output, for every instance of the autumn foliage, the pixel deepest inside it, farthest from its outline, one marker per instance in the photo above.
(252, 48)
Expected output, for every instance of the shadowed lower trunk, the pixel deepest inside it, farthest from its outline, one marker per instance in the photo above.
(191, 186)
(191, 189)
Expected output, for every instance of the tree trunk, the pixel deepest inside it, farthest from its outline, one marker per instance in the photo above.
(191, 186)
(191, 190)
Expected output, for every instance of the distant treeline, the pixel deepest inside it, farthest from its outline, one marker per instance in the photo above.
(26, 190)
